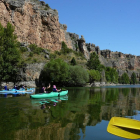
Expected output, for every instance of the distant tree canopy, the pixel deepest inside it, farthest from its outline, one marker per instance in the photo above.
(94, 75)
(65, 49)
(78, 76)
(133, 78)
(56, 71)
(111, 75)
(94, 62)
(73, 61)
(59, 72)
(35, 49)
(9, 54)
(124, 79)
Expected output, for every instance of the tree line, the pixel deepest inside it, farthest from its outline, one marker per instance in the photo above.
(56, 70)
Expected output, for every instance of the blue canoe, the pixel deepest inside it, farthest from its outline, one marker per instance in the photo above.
(14, 91)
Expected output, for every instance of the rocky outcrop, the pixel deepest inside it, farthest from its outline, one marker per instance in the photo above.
(31, 72)
(33, 24)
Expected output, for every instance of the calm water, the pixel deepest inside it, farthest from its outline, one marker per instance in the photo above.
(82, 115)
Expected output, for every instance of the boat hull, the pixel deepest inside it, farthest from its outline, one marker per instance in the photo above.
(14, 91)
(48, 95)
(124, 127)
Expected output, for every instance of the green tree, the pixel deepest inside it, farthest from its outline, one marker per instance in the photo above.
(125, 78)
(10, 59)
(133, 78)
(94, 62)
(56, 71)
(65, 49)
(111, 75)
(78, 76)
(94, 75)
(73, 61)
(35, 49)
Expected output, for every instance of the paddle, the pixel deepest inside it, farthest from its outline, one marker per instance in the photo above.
(124, 127)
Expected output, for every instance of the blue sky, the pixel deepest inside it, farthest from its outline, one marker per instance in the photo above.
(109, 24)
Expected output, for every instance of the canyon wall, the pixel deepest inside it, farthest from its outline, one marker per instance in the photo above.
(36, 24)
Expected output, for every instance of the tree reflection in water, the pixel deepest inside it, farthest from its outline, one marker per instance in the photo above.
(22, 119)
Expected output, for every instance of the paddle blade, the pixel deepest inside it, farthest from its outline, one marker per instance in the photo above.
(123, 132)
(124, 127)
(125, 122)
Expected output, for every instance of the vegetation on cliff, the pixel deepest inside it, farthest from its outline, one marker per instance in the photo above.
(65, 67)
(59, 72)
(10, 58)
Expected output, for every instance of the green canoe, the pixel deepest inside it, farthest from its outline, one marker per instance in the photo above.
(51, 94)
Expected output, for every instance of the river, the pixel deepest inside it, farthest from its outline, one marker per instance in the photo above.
(83, 114)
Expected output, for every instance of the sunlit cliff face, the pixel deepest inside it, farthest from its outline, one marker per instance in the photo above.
(33, 24)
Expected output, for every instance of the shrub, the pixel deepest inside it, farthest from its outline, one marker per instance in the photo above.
(31, 54)
(73, 61)
(78, 76)
(34, 60)
(94, 75)
(55, 71)
(23, 49)
(35, 49)
(47, 7)
(57, 52)
(65, 49)
(52, 56)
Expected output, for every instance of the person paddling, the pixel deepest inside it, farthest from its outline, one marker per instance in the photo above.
(5, 87)
(44, 89)
(55, 89)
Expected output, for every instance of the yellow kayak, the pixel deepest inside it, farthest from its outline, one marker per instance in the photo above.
(124, 127)
(125, 122)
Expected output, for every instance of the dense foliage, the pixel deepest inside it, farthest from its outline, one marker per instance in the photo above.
(124, 79)
(59, 72)
(56, 71)
(35, 49)
(94, 75)
(65, 49)
(133, 78)
(78, 76)
(94, 62)
(73, 61)
(111, 75)
(9, 54)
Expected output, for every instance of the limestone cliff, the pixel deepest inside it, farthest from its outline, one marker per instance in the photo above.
(37, 24)
(34, 24)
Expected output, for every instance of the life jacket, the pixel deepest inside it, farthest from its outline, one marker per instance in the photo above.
(54, 90)
(5, 87)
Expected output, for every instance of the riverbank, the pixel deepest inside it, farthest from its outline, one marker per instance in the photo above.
(35, 84)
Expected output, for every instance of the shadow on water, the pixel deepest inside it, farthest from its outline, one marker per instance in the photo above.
(83, 109)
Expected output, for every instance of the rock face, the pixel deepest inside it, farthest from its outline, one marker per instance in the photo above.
(37, 24)
(34, 24)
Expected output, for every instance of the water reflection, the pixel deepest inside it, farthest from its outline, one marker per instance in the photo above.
(23, 118)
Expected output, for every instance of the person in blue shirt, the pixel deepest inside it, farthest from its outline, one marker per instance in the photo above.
(15, 87)
(23, 86)
(5, 87)
(55, 89)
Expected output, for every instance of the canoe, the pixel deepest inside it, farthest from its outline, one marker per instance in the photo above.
(14, 91)
(48, 95)
(124, 127)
